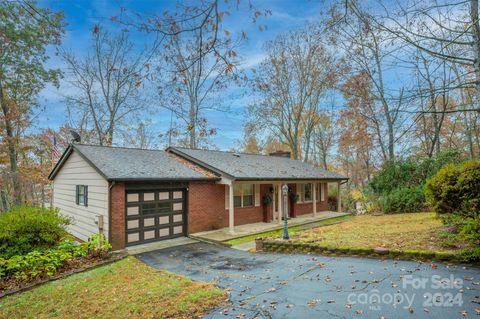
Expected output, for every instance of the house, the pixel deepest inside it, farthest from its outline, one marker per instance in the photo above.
(135, 196)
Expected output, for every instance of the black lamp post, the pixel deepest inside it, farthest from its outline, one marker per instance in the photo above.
(285, 211)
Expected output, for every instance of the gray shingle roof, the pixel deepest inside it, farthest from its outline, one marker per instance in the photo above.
(253, 166)
(117, 163)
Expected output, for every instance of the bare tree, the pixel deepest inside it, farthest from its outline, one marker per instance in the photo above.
(431, 78)
(371, 51)
(290, 82)
(141, 135)
(107, 83)
(324, 137)
(194, 80)
(445, 30)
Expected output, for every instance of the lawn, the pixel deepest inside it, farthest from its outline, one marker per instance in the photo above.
(291, 230)
(417, 231)
(124, 289)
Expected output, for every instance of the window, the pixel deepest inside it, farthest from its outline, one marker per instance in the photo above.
(81, 195)
(247, 195)
(243, 195)
(305, 192)
(237, 195)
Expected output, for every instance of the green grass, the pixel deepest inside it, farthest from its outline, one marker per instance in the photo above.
(415, 231)
(279, 232)
(124, 289)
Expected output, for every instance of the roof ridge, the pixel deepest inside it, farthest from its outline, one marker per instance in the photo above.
(231, 152)
(122, 147)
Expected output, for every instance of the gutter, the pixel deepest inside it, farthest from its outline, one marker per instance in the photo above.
(171, 179)
(110, 185)
(291, 179)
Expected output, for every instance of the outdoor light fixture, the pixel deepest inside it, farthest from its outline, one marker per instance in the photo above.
(285, 212)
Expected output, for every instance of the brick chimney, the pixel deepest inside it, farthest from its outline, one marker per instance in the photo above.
(280, 154)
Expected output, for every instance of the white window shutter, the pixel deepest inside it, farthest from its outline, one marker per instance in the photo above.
(322, 191)
(227, 197)
(257, 194)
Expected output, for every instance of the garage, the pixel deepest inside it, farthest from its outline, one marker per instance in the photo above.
(153, 215)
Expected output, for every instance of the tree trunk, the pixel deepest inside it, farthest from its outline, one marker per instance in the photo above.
(476, 47)
(324, 160)
(12, 149)
(192, 125)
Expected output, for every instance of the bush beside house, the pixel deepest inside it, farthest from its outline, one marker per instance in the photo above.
(454, 195)
(24, 229)
(398, 187)
(34, 245)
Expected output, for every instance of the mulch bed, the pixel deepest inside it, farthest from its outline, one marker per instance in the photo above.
(12, 285)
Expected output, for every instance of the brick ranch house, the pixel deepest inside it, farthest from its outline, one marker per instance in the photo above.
(136, 196)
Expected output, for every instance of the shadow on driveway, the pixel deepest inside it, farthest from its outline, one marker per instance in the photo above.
(306, 286)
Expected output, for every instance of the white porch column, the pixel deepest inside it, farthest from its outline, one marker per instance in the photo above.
(314, 199)
(280, 203)
(231, 222)
(339, 198)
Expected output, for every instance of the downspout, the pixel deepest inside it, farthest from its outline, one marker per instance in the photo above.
(111, 184)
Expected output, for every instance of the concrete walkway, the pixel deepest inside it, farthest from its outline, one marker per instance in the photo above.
(224, 234)
(163, 244)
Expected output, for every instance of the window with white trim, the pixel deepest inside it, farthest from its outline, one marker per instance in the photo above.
(243, 195)
(81, 195)
(305, 192)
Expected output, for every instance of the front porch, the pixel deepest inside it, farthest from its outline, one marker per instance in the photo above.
(225, 234)
(297, 199)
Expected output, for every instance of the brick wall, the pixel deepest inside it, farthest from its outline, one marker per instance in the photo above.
(117, 211)
(206, 208)
(307, 208)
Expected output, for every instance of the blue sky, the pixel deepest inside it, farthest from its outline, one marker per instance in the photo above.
(81, 16)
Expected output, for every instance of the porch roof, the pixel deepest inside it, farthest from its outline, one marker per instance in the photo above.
(241, 166)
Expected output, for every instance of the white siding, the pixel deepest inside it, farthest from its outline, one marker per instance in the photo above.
(76, 171)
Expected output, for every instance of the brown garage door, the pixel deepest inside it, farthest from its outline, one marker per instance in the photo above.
(154, 215)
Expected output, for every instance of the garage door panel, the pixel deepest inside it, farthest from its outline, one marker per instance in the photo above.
(133, 224)
(149, 222)
(154, 215)
(149, 234)
(164, 232)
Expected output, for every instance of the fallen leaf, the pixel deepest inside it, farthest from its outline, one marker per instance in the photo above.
(348, 306)
(359, 312)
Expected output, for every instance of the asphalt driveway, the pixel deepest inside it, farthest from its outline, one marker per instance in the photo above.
(306, 286)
